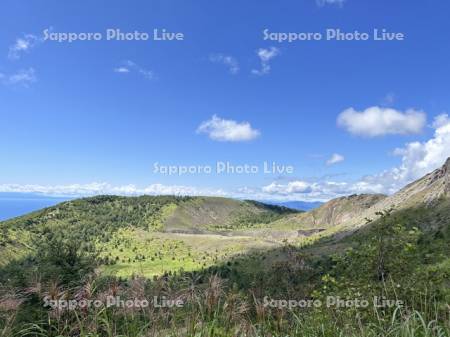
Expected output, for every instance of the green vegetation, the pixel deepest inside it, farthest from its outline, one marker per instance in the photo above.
(224, 272)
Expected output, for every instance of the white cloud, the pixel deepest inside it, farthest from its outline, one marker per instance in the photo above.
(23, 77)
(322, 190)
(227, 130)
(81, 190)
(293, 190)
(130, 66)
(377, 121)
(440, 120)
(229, 61)
(417, 159)
(121, 70)
(322, 3)
(335, 158)
(265, 55)
(23, 45)
(303, 191)
(292, 187)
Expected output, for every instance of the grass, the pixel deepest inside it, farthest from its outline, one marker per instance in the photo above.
(214, 309)
(135, 251)
(221, 276)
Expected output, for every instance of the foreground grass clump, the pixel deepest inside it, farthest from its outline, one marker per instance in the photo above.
(211, 307)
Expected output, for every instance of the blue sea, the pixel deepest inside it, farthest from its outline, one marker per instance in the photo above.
(16, 204)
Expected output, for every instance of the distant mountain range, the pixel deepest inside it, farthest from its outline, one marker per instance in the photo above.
(298, 205)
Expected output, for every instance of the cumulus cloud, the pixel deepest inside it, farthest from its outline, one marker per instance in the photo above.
(440, 120)
(227, 130)
(265, 56)
(82, 190)
(335, 158)
(418, 158)
(130, 66)
(377, 121)
(23, 45)
(227, 60)
(323, 190)
(23, 77)
(293, 190)
(292, 187)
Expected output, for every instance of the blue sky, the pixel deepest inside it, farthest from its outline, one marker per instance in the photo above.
(92, 117)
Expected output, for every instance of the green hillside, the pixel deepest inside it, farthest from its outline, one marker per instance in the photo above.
(146, 234)
(227, 260)
(223, 276)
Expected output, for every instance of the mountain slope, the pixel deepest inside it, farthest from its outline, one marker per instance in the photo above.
(333, 213)
(127, 232)
(427, 191)
(204, 214)
(155, 234)
(150, 212)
